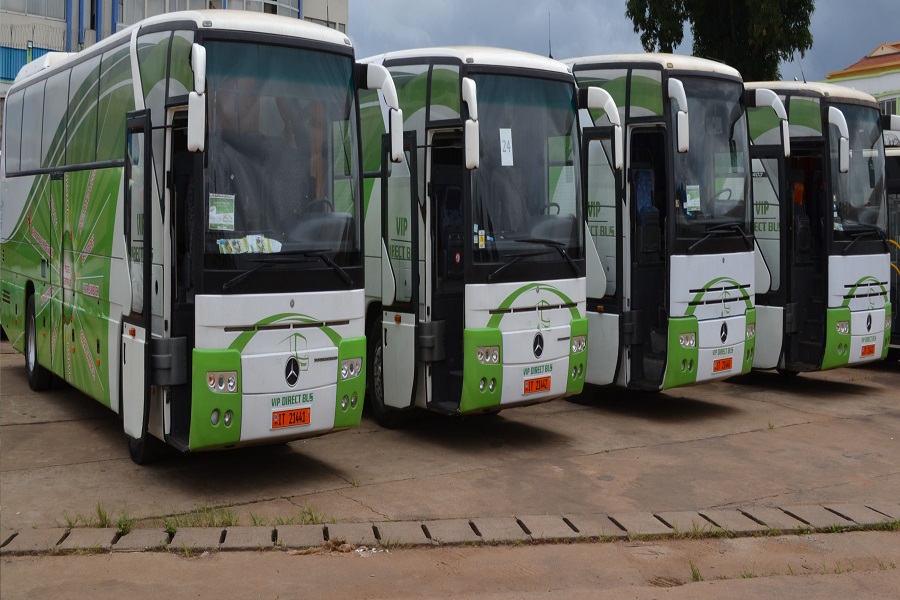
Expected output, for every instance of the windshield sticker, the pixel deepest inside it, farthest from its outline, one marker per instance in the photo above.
(481, 239)
(692, 197)
(252, 244)
(506, 148)
(221, 212)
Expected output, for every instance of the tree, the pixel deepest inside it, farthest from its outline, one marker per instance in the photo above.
(753, 36)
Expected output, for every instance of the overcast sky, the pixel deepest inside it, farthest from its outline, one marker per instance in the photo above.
(843, 30)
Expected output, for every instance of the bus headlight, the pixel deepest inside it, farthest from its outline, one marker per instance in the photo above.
(579, 342)
(488, 355)
(751, 331)
(687, 340)
(843, 327)
(222, 382)
(350, 368)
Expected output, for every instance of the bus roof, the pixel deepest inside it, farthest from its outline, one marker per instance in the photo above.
(675, 62)
(821, 90)
(223, 20)
(478, 55)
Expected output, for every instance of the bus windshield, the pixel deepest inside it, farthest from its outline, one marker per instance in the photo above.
(712, 178)
(525, 194)
(281, 176)
(858, 195)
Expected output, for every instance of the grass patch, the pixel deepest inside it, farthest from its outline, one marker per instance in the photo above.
(695, 572)
(125, 524)
(205, 516)
(307, 516)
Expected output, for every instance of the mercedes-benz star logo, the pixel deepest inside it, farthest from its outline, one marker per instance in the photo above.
(868, 322)
(538, 345)
(292, 371)
(723, 333)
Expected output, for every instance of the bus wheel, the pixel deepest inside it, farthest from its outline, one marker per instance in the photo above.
(787, 372)
(384, 415)
(38, 376)
(145, 450)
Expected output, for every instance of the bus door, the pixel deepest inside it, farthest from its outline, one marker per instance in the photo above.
(399, 274)
(807, 212)
(772, 212)
(645, 327)
(135, 359)
(442, 335)
(605, 217)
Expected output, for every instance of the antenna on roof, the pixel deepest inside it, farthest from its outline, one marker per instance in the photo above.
(800, 64)
(549, 41)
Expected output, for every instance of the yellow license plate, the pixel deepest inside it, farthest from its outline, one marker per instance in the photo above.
(541, 384)
(722, 364)
(290, 418)
(868, 350)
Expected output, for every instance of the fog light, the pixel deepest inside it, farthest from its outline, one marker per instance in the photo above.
(482, 384)
(232, 382)
(345, 402)
(214, 417)
(492, 385)
(229, 417)
(580, 370)
(691, 365)
(683, 364)
(353, 400)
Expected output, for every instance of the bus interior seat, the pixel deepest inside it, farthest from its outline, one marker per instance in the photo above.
(331, 231)
(508, 200)
(802, 233)
(647, 212)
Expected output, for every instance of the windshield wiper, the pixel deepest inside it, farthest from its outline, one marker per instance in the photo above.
(266, 260)
(559, 246)
(722, 228)
(867, 230)
(516, 258)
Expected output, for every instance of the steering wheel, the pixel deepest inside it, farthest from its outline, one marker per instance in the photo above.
(547, 208)
(316, 203)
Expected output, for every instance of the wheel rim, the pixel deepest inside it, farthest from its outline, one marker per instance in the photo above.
(378, 375)
(31, 350)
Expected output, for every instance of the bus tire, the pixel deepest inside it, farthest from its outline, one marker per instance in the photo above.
(145, 450)
(39, 378)
(384, 415)
(787, 372)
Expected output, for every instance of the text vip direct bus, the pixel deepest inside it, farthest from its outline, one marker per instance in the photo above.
(181, 231)
(892, 186)
(821, 222)
(671, 288)
(475, 277)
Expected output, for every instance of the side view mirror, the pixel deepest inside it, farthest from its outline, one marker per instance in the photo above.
(196, 130)
(762, 97)
(594, 98)
(377, 77)
(683, 131)
(836, 118)
(472, 140)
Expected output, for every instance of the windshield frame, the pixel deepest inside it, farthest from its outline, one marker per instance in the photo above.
(535, 253)
(300, 266)
(721, 225)
(854, 215)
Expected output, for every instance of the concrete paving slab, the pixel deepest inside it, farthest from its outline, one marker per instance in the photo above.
(451, 531)
(139, 540)
(817, 516)
(356, 534)
(733, 521)
(34, 540)
(858, 513)
(196, 538)
(640, 523)
(891, 510)
(595, 526)
(248, 538)
(89, 538)
(402, 533)
(500, 529)
(300, 536)
(773, 518)
(548, 527)
(686, 522)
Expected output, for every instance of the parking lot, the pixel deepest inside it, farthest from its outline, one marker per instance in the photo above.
(758, 443)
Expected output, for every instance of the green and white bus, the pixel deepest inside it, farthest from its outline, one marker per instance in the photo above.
(475, 267)
(671, 285)
(182, 231)
(821, 222)
(892, 187)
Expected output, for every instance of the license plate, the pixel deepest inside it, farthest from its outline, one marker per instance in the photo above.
(868, 350)
(290, 418)
(541, 384)
(722, 364)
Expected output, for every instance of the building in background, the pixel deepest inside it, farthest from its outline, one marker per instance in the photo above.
(877, 74)
(31, 28)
